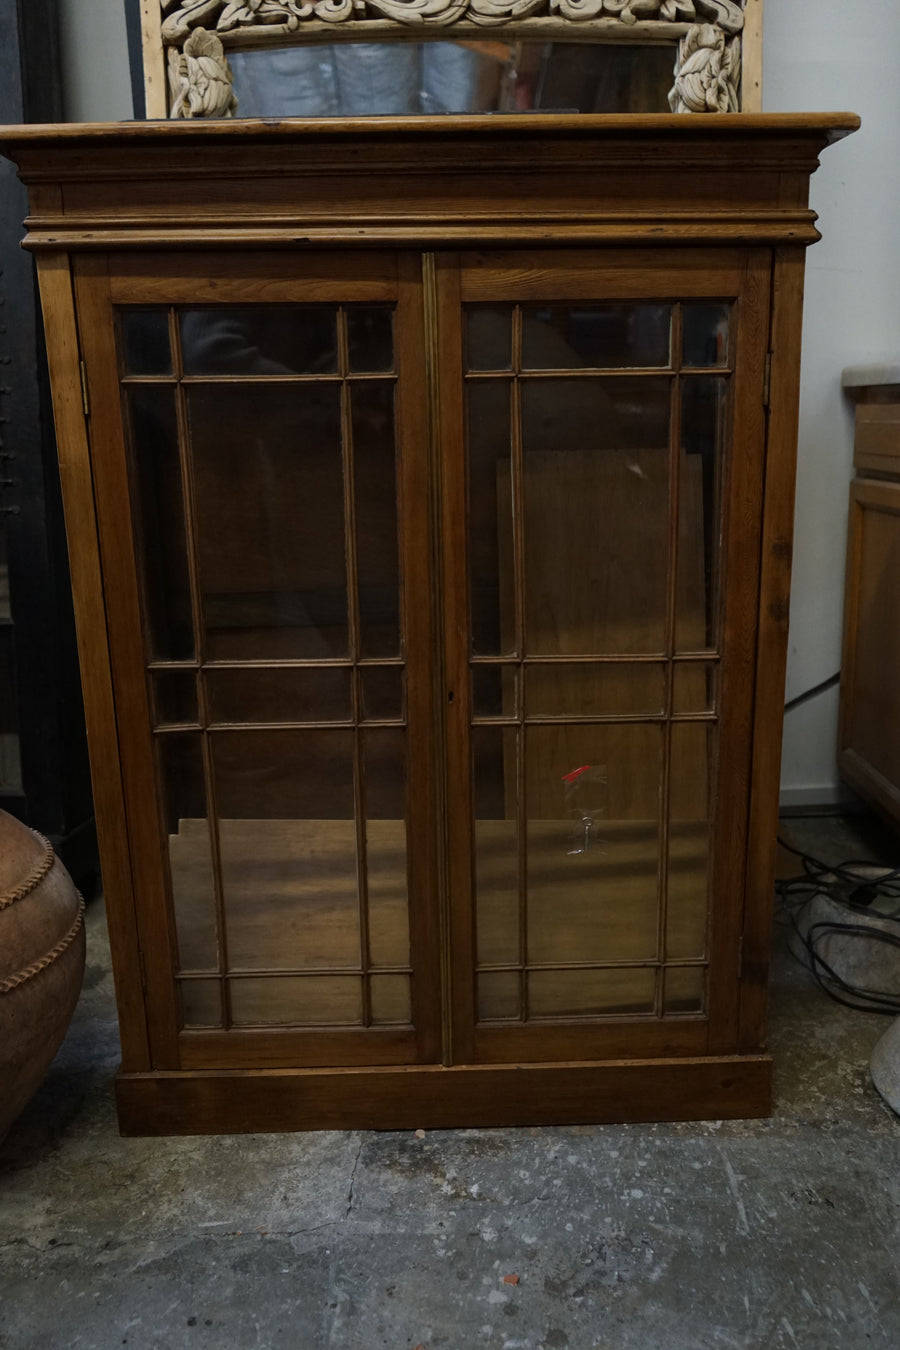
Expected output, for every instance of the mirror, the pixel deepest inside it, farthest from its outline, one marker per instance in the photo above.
(359, 79)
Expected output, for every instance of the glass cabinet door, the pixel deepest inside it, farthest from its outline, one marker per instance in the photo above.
(275, 484)
(607, 467)
(268, 435)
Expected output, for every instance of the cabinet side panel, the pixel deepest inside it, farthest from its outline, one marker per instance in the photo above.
(93, 649)
(869, 740)
(743, 615)
(113, 517)
(851, 619)
(771, 657)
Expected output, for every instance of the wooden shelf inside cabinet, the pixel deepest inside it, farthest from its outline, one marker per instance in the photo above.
(870, 705)
(429, 493)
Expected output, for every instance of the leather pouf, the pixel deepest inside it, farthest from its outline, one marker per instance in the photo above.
(41, 961)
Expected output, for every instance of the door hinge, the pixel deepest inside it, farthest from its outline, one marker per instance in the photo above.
(85, 401)
(767, 379)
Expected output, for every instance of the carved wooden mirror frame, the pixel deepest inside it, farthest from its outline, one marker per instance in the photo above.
(717, 44)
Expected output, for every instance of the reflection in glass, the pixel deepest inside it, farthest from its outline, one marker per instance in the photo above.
(385, 774)
(585, 689)
(201, 1003)
(269, 492)
(494, 691)
(288, 847)
(617, 413)
(690, 777)
(382, 693)
(587, 993)
(362, 79)
(499, 996)
(694, 687)
(592, 798)
(377, 550)
(183, 794)
(370, 338)
(359, 79)
(597, 77)
(388, 900)
(704, 334)
(390, 999)
(556, 337)
(685, 989)
(496, 843)
(252, 694)
(160, 521)
(596, 464)
(702, 438)
(384, 770)
(175, 697)
(296, 1000)
(488, 337)
(259, 340)
(491, 574)
(144, 341)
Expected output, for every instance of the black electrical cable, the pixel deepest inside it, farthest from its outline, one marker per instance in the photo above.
(813, 692)
(855, 885)
(856, 872)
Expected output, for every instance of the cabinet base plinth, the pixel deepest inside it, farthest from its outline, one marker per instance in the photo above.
(434, 1097)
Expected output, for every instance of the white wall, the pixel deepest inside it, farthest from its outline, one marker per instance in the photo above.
(822, 55)
(94, 53)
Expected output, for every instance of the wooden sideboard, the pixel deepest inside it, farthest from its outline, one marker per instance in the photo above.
(429, 489)
(869, 755)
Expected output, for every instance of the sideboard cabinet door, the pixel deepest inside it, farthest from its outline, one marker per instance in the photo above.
(603, 441)
(260, 477)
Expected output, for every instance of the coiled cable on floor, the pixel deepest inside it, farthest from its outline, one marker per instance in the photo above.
(855, 885)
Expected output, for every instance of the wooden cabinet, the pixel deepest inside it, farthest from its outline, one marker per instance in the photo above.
(870, 692)
(429, 490)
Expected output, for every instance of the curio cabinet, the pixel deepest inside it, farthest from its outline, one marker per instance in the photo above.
(429, 494)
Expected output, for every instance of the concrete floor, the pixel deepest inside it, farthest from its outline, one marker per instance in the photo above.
(776, 1233)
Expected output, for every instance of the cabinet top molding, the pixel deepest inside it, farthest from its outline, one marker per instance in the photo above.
(487, 127)
(424, 181)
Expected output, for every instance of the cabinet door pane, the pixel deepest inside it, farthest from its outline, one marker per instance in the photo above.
(703, 409)
(158, 507)
(269, 482)
(593, 842)
(561, 337)
(596, 471)
(259, 340)
(288, 846)
(270, 519)
(595, 466)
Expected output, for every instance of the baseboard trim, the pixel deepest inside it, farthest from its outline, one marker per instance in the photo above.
(804, 797)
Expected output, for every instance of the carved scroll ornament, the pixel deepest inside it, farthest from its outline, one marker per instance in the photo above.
(707, 73)
(287, 16)
(200, 78)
